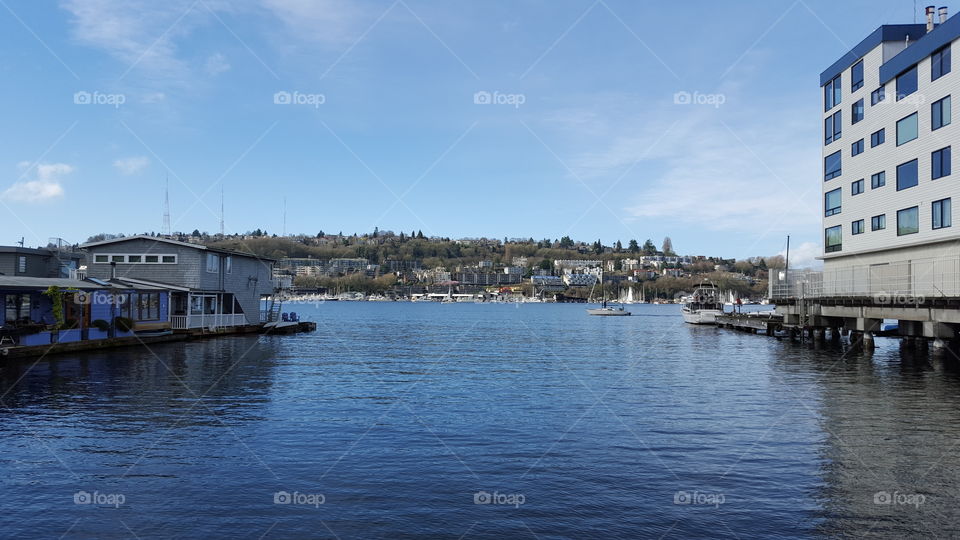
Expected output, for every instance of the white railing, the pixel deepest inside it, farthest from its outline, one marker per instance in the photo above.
(928, 278)
(185, 322)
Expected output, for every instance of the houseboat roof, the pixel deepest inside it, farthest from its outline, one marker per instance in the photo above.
(21, 282)
(176, 243)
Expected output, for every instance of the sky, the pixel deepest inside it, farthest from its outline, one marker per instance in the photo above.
(597, 119)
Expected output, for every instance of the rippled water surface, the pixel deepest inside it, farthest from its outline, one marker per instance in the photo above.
(400, 418)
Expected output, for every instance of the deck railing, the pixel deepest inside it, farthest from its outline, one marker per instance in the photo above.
(897, 282)
(185, 322)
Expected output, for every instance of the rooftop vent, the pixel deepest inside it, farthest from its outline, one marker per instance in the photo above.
(930, 10)
(943, 14)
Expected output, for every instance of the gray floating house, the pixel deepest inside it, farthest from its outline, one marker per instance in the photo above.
(209, 288)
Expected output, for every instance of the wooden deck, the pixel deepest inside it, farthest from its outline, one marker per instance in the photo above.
(767, 323)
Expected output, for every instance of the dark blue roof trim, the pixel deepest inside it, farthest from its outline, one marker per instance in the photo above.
(924, 47)
(887, 32)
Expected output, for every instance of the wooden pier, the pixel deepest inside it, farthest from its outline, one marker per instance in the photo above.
(767, 323)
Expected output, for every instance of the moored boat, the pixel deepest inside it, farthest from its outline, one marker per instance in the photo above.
(704, 305)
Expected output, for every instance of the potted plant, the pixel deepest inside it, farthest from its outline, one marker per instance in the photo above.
(124, 326)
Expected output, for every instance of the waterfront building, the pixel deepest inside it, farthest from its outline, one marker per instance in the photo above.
(42, 262)
(580, 280)
(210, 287)
(887, 153)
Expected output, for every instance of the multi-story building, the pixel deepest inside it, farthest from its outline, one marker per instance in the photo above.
(887, 154)
(43, 262)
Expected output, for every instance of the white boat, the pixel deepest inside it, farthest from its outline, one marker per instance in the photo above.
(604, 310)
(703, 306)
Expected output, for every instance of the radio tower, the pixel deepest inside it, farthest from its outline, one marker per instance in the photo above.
(221, 210)
(166, 208)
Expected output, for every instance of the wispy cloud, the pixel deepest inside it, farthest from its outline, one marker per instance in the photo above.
(131, 165)
(217, 64)
(329, 22)
(45, 186)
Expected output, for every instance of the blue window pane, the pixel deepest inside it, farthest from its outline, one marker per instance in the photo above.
(856, 188)
(907, 129)
(857, 111)
(828, 130)
(878, 180)
(941, 211)
(907, 83)
(856, 76)
(878, 223)
(832, 239)
(940, 113)
(877, 96)
(908, 221)
(878, 137)
(940, 163)
(940, 63)
(831, 202)
(831, 166)
(907, 175)
(856, 148)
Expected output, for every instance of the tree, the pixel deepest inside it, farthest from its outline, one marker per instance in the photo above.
(320, 234)
(618, 247)
(401, 237)
(376, 232)
(196, 232)
(597, 247)
(634, 247)
(618, 264)
(420, 235)
(566, 242)
(667, 246)
(649, 248)
(545, 264)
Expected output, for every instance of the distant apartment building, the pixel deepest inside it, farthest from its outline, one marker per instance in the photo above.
(564, 265)
(887, 157)
(579, 280)
(519, 261)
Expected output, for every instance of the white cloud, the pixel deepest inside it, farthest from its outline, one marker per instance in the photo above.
(131, 165)
(332, 22)
(804, 256)
(217, 64)
(46, 186)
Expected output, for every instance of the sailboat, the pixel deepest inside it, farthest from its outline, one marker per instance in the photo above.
(605, 310)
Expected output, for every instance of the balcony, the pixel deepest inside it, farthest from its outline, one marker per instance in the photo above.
(213, 320)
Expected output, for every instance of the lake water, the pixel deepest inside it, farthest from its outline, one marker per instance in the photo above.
(399, 420)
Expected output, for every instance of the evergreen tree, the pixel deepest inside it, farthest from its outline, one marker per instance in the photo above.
(649, 248)
(618, 247)
(634, 247)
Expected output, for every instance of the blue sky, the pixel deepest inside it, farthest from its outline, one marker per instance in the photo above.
(103, 99)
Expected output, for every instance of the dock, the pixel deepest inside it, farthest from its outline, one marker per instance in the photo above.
(768, 323)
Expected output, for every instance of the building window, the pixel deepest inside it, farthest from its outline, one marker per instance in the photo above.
(907, 129)
(100, 259)
(856, 76)
(856, 148)
(940, 113)
(941, 214)
(877, 96)
(151, 258)
(833, 239)
(856, 111)
(833, 127)
(878, 180)
(878, 223)
(856, 188)
(907, 175)
(940, 63)
(831, 202)
(213, 263)
(228, 264)
(831, 93)
(831, 166)
(878, 137)
(21, 264)
(940, 163)
(856, 227)
(169, 259)
(907, 83)
(908, 221)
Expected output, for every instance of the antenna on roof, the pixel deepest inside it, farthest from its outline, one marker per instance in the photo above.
(166, 207)
(21, 241)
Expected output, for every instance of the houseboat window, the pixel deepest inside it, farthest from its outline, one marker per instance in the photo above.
(209, 305)
(22, 264)
(228, 264)
(16, 307)
(213, 263)
(227, 304)
(117, 258)
(148, 306)
(169, 259)
(152, 258)
(100, 258)
(134, 258)
(196, 305)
